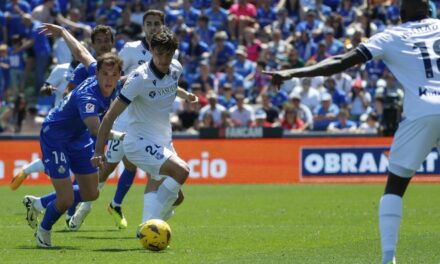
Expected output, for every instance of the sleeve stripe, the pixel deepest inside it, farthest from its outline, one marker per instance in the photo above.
(124, 99)
(364, 51)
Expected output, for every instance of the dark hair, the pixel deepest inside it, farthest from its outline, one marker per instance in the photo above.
(102, 29)
(154, 12)
(19, 113)
(109, 58)
(165, 39)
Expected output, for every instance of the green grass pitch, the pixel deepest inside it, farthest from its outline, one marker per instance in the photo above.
(237, 224)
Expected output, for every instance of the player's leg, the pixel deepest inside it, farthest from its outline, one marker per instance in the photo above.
(35, 166)
(124, 183)
(150, 195)
(177, 172)
(65, 199)
(412, 143)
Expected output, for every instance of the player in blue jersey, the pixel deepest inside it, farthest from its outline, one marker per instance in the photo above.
(411, 51)
(66, 144)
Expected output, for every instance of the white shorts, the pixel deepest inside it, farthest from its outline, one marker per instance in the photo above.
(413, 141)
(147, 155)
(115, 151)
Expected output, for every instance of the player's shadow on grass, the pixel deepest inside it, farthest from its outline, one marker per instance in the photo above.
(116, 250)
(51, 248)
(106, 237)
(87, 231)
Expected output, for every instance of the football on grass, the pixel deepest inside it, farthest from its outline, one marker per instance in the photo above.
(155, 235)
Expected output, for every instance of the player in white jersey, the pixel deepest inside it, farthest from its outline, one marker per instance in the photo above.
(412, 53)
(150, 91)
(133, 54)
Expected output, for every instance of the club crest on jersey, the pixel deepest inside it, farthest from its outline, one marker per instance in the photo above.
(90, 108)
(174, 75)
(61, 169)
(140, 62)
(152, 94)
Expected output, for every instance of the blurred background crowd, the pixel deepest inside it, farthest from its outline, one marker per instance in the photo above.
(224, 47)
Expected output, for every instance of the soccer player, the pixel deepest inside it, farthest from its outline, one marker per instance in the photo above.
(133, 54)
(412, 52)
(66, 143)
(102, 42)
(150, 91)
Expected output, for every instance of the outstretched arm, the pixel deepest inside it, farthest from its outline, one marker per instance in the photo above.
(326, 67)
(79, 52)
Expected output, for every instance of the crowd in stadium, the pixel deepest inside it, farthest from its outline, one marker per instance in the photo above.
(224, 47)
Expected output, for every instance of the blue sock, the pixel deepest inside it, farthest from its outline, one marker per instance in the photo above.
(45, 200)
(124, 184)
(77, 199)
(51, 216)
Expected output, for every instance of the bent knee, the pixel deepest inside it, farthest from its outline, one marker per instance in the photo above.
(90, 196)
(180, 199)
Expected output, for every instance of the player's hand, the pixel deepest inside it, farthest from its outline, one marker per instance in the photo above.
(51, 30)
(47, 90)
(99, 160)
(278, 77)
(192, 98)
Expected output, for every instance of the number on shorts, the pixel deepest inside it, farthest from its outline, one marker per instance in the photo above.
(114, 144)
(59, 157)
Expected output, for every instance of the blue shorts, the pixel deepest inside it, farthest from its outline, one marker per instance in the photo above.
(60, 157)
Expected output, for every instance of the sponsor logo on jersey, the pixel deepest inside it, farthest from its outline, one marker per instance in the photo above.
(90, 108)
(152, 94)
(344, 161)
(427, 92)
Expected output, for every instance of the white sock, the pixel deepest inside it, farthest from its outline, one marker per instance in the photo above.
(115, 204)
(38, 205)
(170, 213)
(35, 166)
(149, 201)
(166, 195)
(390, 214)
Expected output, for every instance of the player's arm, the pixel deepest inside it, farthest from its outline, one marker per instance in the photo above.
(326, 67)
(104, 130)
(79, 52)
(189, 97)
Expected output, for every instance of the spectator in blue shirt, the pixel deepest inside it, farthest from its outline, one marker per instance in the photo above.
(227, 99)
(342, 124)
(325, 113)
(232, 77)
(266, 13)
(334, 45)
(218, 16)
(310, 25)
(221, 51)
(245, 68)
(347, 11)
(109, 10)
(205, 30)
(191, 53)
(338, 96)
(40, 48)
(16, 64)
(189, 13)
(14, 11)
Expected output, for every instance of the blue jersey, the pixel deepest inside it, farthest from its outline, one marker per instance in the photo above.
(81, 73)
(65, 122)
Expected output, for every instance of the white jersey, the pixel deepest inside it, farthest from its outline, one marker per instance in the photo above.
(133, 55)
(412, 53)
(151, 102)
(59, 77)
